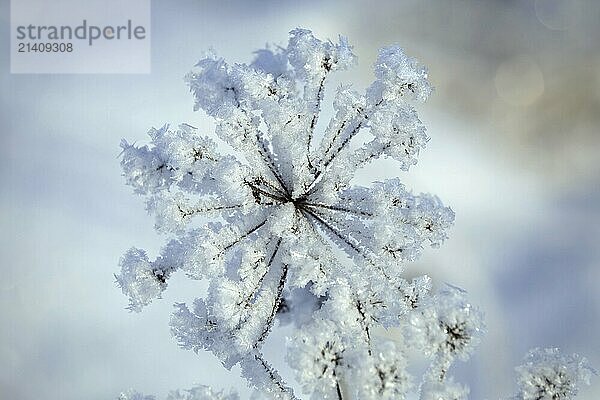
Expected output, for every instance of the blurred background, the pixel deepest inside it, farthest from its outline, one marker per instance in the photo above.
(514, 125)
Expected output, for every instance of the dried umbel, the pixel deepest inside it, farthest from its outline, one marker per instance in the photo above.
(262, 209)
(548, 375)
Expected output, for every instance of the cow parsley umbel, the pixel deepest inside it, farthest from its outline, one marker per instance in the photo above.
(262, 209)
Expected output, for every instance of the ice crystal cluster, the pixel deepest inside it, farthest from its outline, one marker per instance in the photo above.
(267, 212)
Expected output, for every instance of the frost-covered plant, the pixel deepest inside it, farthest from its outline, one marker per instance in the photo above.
(262, 210)
(548, 375)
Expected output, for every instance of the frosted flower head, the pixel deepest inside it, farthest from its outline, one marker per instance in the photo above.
(546, 374)
(268, 210)
(309, 55)
(383, 375)
(399, 75)
(449, 326)
(140, 279)
(317, 353)
(286, 195)
(417, 292)
(338, 350)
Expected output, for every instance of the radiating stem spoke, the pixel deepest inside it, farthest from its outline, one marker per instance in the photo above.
(265, 193)
(262, 278)
(339, 208)
(313, 122)
(268, 159)
(273, 376)
(276, 304)
(243, 236)
(333, 230)
(192, 211)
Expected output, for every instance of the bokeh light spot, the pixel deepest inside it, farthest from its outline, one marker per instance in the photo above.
(555, 14)
(519, 81)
